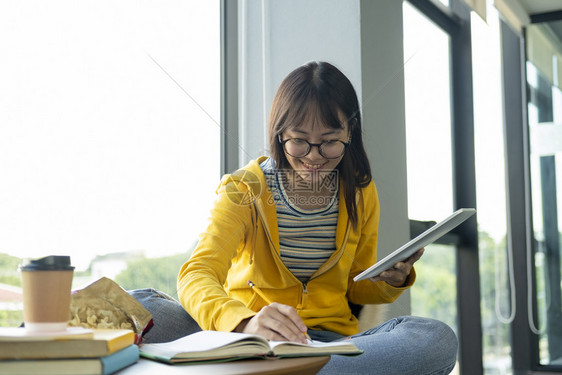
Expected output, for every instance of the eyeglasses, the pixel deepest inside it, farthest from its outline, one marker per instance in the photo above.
(299, 148)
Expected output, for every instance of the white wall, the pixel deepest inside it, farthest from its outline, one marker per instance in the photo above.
(276, 37)
(382, 56)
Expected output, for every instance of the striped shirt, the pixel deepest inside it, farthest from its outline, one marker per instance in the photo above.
(307, 238)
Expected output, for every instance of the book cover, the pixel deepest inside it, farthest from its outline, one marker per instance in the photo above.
(97, 343)
(214, 346)
(11, 334)
(85, 366)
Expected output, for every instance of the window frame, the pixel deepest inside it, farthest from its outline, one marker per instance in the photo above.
(455, 21)
(229, 86)
(525, 343)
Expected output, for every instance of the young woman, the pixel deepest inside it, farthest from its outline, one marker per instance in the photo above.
(300, 225)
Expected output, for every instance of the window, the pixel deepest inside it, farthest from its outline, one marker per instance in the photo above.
(428, 142)
(109, 144)
(442, 167)
(495, 253)
(544, 69)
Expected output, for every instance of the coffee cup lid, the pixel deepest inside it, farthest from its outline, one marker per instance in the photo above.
(48, 263)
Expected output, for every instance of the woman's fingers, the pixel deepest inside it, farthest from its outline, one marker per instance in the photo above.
(397, 275)
(277, 322)
(291, 313)
(417, 255)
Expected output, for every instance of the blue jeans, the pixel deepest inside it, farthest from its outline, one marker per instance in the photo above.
(402, 346)
(170, 320)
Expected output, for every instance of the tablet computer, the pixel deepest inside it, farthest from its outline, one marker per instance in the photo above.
(429, 236)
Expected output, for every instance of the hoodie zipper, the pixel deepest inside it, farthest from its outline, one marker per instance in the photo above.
(304, 291)
(304, 297)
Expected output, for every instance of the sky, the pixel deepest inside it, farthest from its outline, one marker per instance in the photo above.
(109, 139)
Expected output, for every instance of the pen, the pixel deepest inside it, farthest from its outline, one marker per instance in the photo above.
(259, 292)
(262, 295)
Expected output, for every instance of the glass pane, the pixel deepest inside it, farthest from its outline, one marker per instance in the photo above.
(544, 73)
(428, 141)
(495, 288)
(435, 292)
(428, 117)
(109, 135)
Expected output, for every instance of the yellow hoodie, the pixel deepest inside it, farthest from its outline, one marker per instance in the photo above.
(241, 243)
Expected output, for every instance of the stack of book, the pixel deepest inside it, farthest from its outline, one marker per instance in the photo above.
(75, 351)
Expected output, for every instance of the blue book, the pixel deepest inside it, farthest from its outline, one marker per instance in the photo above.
(77, 366)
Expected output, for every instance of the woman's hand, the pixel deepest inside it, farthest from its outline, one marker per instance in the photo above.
(397, 275)
(276, 322)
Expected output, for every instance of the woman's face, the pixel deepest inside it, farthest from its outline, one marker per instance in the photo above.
(314, 166)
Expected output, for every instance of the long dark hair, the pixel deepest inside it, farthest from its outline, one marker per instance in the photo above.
(320, 89)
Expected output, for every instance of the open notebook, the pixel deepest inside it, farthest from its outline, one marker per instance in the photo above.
(216, 346)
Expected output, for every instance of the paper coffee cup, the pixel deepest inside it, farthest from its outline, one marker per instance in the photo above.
(47, 283)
